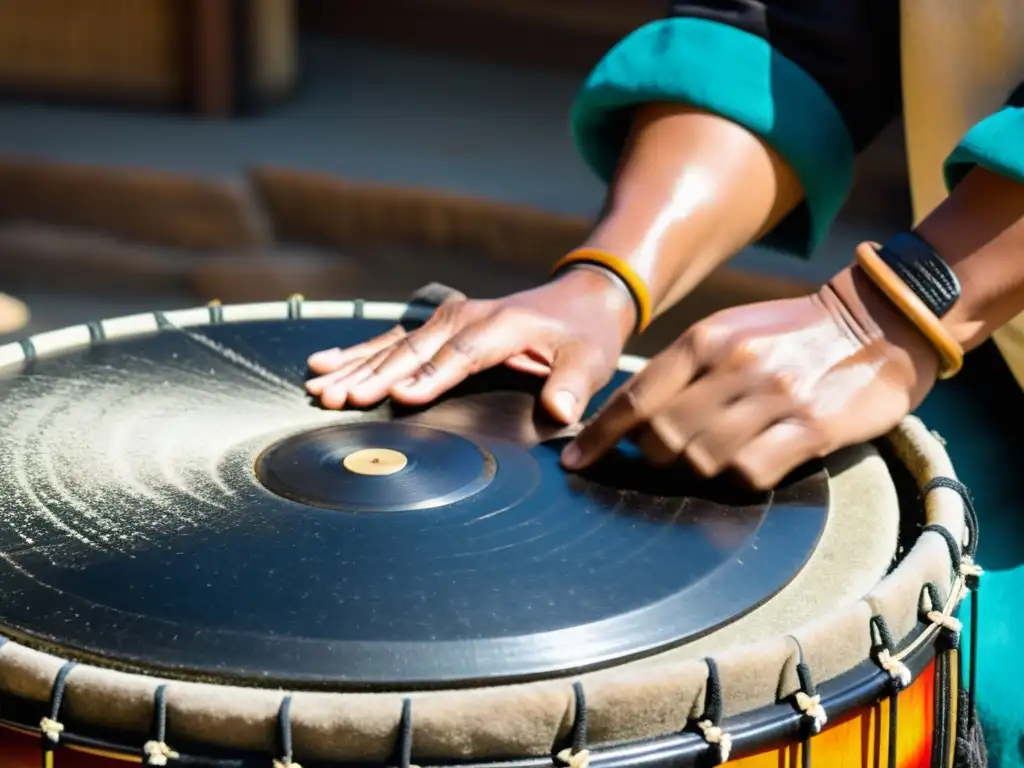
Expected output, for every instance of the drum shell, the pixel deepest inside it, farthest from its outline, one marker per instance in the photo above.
(646, 715)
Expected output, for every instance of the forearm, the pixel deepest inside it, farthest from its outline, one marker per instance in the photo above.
(691, 190)
(979, 232)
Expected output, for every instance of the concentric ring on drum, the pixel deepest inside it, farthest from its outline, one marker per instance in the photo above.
(136, 516)
(851, 621)
(376, 467)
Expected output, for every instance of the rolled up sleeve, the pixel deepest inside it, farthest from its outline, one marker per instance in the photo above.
(996, 144)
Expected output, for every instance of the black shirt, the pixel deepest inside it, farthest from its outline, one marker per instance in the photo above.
(850, 47)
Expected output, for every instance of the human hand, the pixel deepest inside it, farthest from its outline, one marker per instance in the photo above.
(764, 388)
(571, 330)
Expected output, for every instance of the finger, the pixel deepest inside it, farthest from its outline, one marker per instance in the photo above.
(712, 450)
(473, 349)
(784, 446)
(529, 364)
(667, 434)
(578, 370)
(654, 448)
(632, 405)
(318, 385)
(698, 406)
(329, 360)
(365, 384)
(402, 360)
(336, 394)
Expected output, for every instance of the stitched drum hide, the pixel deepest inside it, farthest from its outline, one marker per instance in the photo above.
(201, 565)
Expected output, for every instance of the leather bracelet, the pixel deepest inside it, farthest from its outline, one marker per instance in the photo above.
(912, 306)
(622, 270)
(918, 265)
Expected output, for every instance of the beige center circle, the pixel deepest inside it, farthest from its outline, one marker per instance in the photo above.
(375, 461)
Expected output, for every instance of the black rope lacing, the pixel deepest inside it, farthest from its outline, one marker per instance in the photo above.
(155, 751)
(578, 756)
(899, 678)
(28, 349)
(949, 626)
(284, 734)
(808, 701)
(405, 735)
(295, 306)
(97, 334)
(710, 722)
(932, 612)
(970, 571)
(51, 727)
(951, 543)
(971, 514)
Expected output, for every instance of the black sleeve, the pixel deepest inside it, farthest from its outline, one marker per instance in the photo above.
(850, 47)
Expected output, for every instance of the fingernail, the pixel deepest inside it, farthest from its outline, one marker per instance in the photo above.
(571, 455)
(324, 356)
(565, 404)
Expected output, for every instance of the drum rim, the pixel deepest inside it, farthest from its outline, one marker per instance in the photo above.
(917, 448)
(859, 687)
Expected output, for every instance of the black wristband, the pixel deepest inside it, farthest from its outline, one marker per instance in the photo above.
(918, 265)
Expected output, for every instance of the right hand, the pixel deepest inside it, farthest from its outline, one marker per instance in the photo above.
(571, 331)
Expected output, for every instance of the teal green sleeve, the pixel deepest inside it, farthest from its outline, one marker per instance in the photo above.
(739, 76)
(996, 144)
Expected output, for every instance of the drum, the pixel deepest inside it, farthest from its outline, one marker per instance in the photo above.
(201, 566)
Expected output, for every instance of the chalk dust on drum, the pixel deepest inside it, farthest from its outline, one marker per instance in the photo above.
(176, 500)
(118, 454)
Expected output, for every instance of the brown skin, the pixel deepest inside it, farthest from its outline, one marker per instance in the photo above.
(763, 388)
(758, 389)
(682, 202)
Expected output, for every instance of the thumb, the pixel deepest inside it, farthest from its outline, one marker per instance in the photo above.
(577, 372)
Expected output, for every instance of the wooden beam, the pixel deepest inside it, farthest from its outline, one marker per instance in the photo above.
(212, 57)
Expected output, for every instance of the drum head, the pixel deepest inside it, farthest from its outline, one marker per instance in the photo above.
(174, 502)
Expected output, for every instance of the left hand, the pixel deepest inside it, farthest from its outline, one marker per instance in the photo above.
(764, 388)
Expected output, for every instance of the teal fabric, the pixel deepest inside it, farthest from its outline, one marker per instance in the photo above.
(739, 76)
(978, 414)
(996, 144)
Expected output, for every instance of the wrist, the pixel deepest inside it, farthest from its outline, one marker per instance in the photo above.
(979, 232)
(871, 315)
(605, 292)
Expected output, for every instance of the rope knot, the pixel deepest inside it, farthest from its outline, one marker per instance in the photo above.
(899, 671)
(945, 621)
(714, 735)
(158, 753)
(580, 759)
(811, 707)
(971, 572)
(52, 729)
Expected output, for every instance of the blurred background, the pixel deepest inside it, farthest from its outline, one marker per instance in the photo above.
(156, 154)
